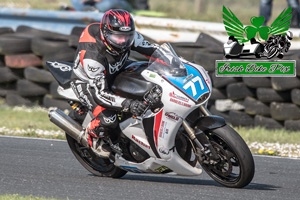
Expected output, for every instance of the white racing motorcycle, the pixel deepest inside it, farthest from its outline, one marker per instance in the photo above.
(178, 135)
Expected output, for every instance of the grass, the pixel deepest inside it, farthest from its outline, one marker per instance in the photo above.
(22, 119)
(32, 119)
(25, 122)
(259, 134)
(19, 197)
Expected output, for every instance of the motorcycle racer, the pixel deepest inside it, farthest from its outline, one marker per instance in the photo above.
(101, 55)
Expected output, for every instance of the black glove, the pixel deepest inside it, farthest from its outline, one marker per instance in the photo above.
(134, 106)
(153, 97)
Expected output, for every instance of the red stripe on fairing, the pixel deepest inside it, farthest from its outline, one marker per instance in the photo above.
(157, 122)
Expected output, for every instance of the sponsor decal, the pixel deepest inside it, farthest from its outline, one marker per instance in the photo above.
(131, 169)
(256, 41)
(125, 28)
(140, 142)
(163, 129)
(161, 169)
(188, 78)
(180, 102)
(61, 66)
(152, 75)
(173, 95)
(172, 116)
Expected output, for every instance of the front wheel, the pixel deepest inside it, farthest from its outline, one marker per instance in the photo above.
(235, 165)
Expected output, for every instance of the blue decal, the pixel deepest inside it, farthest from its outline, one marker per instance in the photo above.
(131, 169)
(193, 88)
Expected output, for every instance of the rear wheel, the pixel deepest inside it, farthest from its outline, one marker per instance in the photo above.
(89, 160)
(235, 165)
(94, 164)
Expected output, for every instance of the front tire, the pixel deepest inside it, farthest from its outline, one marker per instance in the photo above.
(235, 167)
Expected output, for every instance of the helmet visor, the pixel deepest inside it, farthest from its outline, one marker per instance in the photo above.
(121, 40)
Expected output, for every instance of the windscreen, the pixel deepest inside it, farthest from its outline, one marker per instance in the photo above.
(164, 62)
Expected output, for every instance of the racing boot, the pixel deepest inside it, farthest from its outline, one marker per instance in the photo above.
(95, 135)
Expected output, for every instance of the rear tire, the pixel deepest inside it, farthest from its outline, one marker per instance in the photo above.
(98, 166)
(236, 166)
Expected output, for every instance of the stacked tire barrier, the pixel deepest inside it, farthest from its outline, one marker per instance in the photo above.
(261, 101)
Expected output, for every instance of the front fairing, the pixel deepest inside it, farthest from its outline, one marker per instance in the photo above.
(191, 80)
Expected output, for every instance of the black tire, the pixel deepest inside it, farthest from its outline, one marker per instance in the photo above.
(58, 103)
(7, 76)
(53, 90)
(285, 83)
(95, 165)
(77, 30)
(14, 45)
(255, 107)
(295, 57)
(267, 122)
(257, 82)
(6, 89)
(185, 52)
(221, 82)
(268, 95)
(4, 30)
(293, 125)
(13, 99)
(27, 88)
(295, 95)
(208, 41)
(66, 54)
(238, 118)
(187, 45)
(235, 154)
(33, 32)
(44, 45)
(236, 91)
(218, 94)
(207, 60)
(38, 75)
(284, 111)
(214, 111)
(73, 41)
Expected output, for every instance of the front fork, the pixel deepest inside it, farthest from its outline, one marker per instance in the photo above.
(209, 151)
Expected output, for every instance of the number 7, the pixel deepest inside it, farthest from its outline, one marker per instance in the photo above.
(192, 85)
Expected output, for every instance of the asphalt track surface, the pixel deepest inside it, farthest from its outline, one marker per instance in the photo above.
(47, 168)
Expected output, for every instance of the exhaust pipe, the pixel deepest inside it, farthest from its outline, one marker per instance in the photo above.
(66, 123)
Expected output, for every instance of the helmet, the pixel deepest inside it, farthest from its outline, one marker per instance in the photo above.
(117, 31)
(289, 35)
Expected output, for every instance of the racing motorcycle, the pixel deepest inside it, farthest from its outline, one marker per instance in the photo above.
(177, 135)
(277, 45)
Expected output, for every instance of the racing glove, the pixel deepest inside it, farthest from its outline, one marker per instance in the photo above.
(134, 106)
